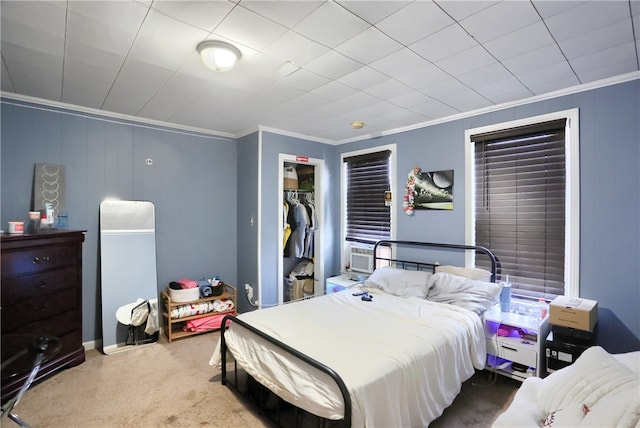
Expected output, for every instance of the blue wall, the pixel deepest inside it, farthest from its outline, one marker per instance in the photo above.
(609, 183)
(192, 183)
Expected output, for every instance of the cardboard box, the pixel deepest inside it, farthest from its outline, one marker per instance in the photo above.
(581, 314)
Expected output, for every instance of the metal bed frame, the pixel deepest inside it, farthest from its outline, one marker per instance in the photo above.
(265, 394)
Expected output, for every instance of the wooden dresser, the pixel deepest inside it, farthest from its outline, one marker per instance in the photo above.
(41, 293)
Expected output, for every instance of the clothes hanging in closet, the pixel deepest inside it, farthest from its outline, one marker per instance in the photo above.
(301, 221)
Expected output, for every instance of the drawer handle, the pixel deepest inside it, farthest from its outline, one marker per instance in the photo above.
(44, 259)
(510, 349)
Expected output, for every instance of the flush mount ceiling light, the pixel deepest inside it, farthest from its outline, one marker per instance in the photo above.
(218, 55)
(357, 124)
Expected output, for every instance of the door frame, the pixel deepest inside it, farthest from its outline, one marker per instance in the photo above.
(318, 196)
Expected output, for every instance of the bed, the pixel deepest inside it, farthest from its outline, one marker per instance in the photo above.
(395, 356)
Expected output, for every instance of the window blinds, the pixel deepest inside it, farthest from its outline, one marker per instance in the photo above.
(368, 219)
(520, 204)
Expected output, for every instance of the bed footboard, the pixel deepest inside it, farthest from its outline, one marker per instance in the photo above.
(346, 421)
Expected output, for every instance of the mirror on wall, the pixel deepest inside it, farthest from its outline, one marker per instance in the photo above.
(127, 264)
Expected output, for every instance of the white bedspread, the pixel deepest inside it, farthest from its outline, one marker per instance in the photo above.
(402, 359)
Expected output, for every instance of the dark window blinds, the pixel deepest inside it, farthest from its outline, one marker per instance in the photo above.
(368, 218)
(520, 204)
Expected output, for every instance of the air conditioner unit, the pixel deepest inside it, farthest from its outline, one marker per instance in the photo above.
(361, 258)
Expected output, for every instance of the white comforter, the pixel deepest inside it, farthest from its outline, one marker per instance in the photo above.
(402, 359)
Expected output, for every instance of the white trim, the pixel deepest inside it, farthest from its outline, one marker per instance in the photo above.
(108, 116)
(396, 197)
(572, 196)
(524, 101)
(295, 135)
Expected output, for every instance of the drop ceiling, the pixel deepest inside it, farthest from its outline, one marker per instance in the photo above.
(310, 68)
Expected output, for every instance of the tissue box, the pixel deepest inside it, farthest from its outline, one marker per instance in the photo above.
(581, 314)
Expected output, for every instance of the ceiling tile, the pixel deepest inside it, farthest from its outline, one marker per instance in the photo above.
(363, 78)
(179, 91)
(434, 109)
(504, 90)
(500, 19)
(98, 35)
(334, 90)
(25, 36)
(79, 53)
(424, 76)
(304, 80)
(443, 87)
(35, 81)
(5, 79)
(410, 99)
(414, 22)
(466, 61)
(601, 38)
(293, 47)
(446, 42)
(590, 15)
(124, 17)
(404, 59)
(205, 15)
(85, 84)
(484, 75)
(388, 89)
(368, 46)
(45, 17)
(607, 62)
(467, 100)
(461, 9)
(549, 78)
(286, 13)
(372, 11)
(331, 25)
(534, 60)
(165, 42)
(332, 65)
(263, 31)
(547, 8)
(520, 41)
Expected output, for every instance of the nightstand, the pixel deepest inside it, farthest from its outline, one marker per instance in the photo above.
(515, 342)
(344, 281)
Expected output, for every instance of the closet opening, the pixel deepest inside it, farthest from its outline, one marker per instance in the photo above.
(300, 273)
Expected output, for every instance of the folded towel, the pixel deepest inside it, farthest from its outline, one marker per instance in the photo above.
(187, 283)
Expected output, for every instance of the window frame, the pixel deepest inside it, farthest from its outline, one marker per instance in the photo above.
(345, 247)
(572, 192)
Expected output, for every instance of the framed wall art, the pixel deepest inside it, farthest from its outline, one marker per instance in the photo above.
(428, 191)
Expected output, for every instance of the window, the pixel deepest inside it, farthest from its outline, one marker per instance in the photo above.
(367, 178)
(522, 204)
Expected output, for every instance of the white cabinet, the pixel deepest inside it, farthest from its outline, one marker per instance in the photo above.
(342, 282)
(515, 343)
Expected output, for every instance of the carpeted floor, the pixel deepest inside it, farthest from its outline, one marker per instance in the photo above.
(172, 385)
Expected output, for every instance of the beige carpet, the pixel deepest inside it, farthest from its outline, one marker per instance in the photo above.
(172, 385)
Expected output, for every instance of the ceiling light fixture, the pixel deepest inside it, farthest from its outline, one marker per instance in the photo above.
(357, 124)
(218, 55)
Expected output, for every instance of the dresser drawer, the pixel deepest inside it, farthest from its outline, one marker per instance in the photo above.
(15, 290)
(58, 325)
(510, 350)
(38, 308)
(39, 259)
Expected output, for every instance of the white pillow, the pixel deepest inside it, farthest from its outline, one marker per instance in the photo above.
(469, 273)
(595, 374)
(399, 282)
(477, 296)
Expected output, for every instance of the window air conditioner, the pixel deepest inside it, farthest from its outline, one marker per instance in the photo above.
(361, 258)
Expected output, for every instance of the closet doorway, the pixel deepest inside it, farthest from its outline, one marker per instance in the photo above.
(300, 225)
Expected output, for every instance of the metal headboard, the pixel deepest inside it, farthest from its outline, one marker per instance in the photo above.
(495, 263)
